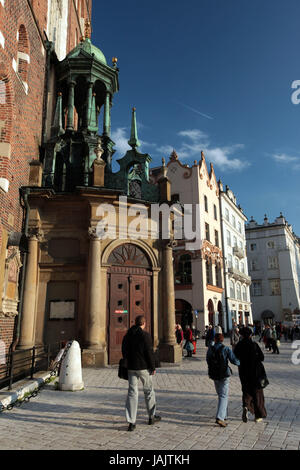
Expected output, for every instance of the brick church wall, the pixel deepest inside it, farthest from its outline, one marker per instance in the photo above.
(22, 89)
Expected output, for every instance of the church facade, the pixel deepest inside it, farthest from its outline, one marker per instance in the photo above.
(81, 283)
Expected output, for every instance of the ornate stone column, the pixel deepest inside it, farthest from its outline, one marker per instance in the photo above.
(169, 350)
(106, 122)
(27, 335)
(70, 120)
(95, 352)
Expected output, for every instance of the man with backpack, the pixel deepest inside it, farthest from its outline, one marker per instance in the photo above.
(219, 371)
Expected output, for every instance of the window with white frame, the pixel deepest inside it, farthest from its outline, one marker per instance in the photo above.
(239, 226)
(242, 267)
(256, 288)
(244, 294)
(236, 263)
(228, 237)
(238, 292)
(254, 265)
(227, 214)
(231, 289)
(229, 260)
(272, 262)
(233, 220)
(235, 241)
(274, 286)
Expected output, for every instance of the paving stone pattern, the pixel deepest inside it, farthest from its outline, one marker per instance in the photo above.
(95, 417)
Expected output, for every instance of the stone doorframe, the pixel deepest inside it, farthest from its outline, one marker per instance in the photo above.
(155, 284)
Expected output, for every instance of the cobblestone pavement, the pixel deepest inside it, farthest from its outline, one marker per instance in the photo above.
(95, 419)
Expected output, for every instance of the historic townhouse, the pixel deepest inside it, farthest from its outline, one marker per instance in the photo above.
(34, 35)
(237, 281)
(198, 266)
(274, 266)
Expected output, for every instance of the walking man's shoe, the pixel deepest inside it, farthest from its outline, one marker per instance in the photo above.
(154, 419)
(245, 415)
(131, 427)
(221, 423)
(258, 420)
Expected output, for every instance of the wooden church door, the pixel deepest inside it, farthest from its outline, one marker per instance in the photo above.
(129, 295)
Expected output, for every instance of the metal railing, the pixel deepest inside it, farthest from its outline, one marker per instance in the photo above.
(21, 364)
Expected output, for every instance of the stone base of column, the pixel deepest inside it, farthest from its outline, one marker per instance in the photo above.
(170, 353)
(94, 358)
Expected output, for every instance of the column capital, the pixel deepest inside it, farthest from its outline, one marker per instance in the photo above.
(92, 233)
(35, 233)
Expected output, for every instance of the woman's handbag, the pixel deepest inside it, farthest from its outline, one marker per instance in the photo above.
(262, 379)
(123, 369)
(189, 346)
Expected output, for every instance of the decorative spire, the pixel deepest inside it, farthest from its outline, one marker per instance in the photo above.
(173, 156)
(134, 141)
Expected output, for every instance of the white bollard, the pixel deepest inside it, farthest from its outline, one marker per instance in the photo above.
(70, 377)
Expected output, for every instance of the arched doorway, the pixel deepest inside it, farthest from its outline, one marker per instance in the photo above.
(183, 313)
(211, 312)
(220, 315)
(129, 294)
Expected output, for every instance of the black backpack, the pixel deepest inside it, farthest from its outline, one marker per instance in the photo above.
(217, 364)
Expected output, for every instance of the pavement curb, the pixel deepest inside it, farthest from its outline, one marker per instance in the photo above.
(19, 393)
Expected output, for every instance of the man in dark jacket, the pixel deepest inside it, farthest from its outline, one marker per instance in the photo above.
(137, 349)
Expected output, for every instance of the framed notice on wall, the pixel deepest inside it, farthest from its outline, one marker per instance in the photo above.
(62, 310)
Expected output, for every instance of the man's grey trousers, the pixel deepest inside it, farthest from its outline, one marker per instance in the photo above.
(133, 392)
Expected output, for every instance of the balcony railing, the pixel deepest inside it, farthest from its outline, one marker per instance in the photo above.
(239, 276)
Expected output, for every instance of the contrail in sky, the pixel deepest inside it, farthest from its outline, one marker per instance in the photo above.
(195, 110)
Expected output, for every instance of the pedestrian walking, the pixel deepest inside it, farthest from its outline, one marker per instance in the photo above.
(268, 337)
(194, 339)
(218, 329)
(138, 350)
(274, 341)
(179, 335)
(252, 376)
(234, 336)
(188, 336)
(210, 336)
(217, 358)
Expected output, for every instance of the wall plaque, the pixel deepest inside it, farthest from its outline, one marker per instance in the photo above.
(62, 309)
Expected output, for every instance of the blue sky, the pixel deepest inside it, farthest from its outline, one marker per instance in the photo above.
(212, 75)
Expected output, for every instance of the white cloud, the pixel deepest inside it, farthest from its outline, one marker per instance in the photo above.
(120, 137)
(197, 141)
(193, 142)
(284, 158)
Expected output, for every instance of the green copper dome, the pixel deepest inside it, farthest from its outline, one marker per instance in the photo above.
(87, 46)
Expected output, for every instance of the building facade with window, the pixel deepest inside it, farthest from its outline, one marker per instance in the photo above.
(198, 266)
(34, 34)
(237, 281)
(274, 266)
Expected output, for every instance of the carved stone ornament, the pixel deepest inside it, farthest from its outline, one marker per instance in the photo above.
(36, 233)
(99, 150)
(212, 252)
(92, 232)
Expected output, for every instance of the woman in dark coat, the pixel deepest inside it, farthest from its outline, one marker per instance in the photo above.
(252, 375)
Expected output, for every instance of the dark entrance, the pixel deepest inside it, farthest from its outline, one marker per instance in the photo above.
(183, 313)
(211, 312)
(129, 295)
